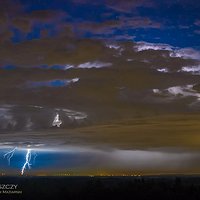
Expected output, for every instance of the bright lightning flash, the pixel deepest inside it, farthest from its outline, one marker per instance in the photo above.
(57, 122)
(28, 158)
(27, 163)
(9, 155)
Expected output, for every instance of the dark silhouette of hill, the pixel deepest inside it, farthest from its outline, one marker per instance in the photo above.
(100, 188)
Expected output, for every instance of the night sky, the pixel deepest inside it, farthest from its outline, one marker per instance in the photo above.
(91, 87)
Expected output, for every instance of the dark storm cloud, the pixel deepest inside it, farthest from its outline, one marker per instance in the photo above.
(127, 5)
(2, 20)
(119, 5)
(10, 7)
(17, 17)
(26, 21)
(50, 51)
(7, 11)
(5, 36)
(59, 49)
(110, 26)
(98, 19)
(15, 22)
(138, 22)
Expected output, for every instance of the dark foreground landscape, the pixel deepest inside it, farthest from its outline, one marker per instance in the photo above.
(94, 188)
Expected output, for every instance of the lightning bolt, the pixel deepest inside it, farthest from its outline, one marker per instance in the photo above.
(34, 157)
(28, 158)
(9, 154)
(27, 162)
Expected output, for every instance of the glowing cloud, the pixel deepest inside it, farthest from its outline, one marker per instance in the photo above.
(57, 122)
(179, 91)
(191, 69)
